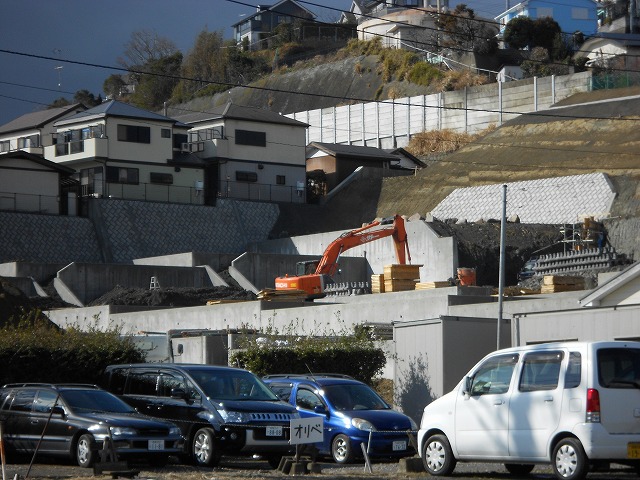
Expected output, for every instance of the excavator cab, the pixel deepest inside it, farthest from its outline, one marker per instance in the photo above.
(307, 267)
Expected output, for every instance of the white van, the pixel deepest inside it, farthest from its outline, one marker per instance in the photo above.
(573, 405)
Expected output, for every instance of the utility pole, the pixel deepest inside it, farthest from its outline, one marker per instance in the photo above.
(503, 236)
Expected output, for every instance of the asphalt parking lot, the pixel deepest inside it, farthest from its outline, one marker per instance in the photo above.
(257, 469)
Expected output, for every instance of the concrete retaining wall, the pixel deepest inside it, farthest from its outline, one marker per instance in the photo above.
(40, 272)
(217, 261)
(86, 282)
(437, 255)
(391, 123)
(260, 270)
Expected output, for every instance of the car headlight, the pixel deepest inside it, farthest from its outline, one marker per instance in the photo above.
(414, 425)
(175, 431)
(123, 431)
(361, 424)
(235, 417)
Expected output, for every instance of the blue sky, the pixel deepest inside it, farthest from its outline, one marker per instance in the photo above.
(96, 32)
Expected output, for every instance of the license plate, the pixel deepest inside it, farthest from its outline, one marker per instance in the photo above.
(399, 445)
(633, 450)
(274, 431)
(156, 444)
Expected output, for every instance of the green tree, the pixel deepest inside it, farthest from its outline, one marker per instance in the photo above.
(544, 33)
(154, 63)
(87, 98)
(156, 84)
(205, 63)
(113, 86)
(519, 32)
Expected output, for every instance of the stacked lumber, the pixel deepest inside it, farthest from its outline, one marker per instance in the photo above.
(400, 278)
(377, 283)
(271, 294)
(430, 285)
(560, 283)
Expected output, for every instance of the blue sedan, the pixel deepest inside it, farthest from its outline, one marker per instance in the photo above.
(353, 413)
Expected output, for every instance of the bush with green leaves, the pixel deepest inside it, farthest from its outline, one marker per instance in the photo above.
(354, 353)
(38, 352)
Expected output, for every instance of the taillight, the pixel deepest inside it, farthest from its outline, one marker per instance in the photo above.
(593, 406)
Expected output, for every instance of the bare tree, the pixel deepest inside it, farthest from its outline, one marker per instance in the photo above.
(146, 46)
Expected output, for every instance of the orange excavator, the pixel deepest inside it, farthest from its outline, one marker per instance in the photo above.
(313, 276)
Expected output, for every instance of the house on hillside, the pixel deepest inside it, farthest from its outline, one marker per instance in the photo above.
(260, 25)
(572, 15)
(337, 161)
(250, 153)
(31, 184)
(605, 49)
(365, 9)
(32, 132)
(121, 151)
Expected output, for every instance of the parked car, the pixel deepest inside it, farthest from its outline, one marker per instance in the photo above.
(528, 270)
(220, 410)
(354, 414)
(572, 405)
(74, 420)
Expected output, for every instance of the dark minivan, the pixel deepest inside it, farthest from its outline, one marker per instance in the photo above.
(220, 410)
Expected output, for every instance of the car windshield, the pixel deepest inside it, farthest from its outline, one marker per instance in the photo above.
(94, 401)
(354, 397)
(232, 385)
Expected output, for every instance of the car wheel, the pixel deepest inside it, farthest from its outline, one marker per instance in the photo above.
(519, 468)
(86, 450)
(569, 461)
(204, 448)
(437, 456)
(341, 450)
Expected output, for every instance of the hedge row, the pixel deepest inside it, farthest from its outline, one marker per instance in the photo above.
(40, 353)
(361, 362)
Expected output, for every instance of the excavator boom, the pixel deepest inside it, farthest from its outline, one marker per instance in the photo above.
(314, 284)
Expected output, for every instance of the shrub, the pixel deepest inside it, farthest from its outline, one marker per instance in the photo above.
(42, 353)
(352, 353)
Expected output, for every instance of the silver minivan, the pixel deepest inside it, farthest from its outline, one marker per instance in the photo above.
(574, 405)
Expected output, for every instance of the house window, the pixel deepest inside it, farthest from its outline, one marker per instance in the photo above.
(122, 175)
(249, 137)
(163, 178)
(579, 13)
(134, 133)
(246, 176)
(5, 146)
(179, 139)
(91, 180)
(165, 133)
(280, 180)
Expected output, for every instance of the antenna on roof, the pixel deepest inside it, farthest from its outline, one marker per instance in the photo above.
(312, 375)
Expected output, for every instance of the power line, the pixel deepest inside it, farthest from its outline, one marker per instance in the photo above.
(314, 94)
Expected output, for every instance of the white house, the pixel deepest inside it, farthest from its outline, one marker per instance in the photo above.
(122, 151)
(251, 153)
(32, 132)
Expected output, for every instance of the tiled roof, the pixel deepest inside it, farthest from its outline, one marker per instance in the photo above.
(238, 112)
(549, 201)
(38, 119)
(113, 108)
(354, 151)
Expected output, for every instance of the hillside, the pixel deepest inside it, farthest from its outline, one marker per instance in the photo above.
(326, 85)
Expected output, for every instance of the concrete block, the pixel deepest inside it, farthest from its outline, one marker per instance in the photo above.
(298, 468)
(411, 464)
(314, 467)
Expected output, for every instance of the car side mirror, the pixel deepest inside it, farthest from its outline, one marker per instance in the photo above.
(468, 383)
(178, 393)
(57, 410)
(321, 410)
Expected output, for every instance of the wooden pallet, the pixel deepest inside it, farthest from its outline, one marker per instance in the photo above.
(430, 285)
(402, 272)
(399, 285)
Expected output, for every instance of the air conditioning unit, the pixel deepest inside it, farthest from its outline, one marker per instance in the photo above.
(184, 147)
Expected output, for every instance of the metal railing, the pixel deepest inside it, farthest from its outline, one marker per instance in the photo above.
(610, 81)
(261, 192)
(29, 203)
(149, 192)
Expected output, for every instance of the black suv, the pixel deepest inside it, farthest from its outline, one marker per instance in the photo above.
(219, 409)
(73, 420)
